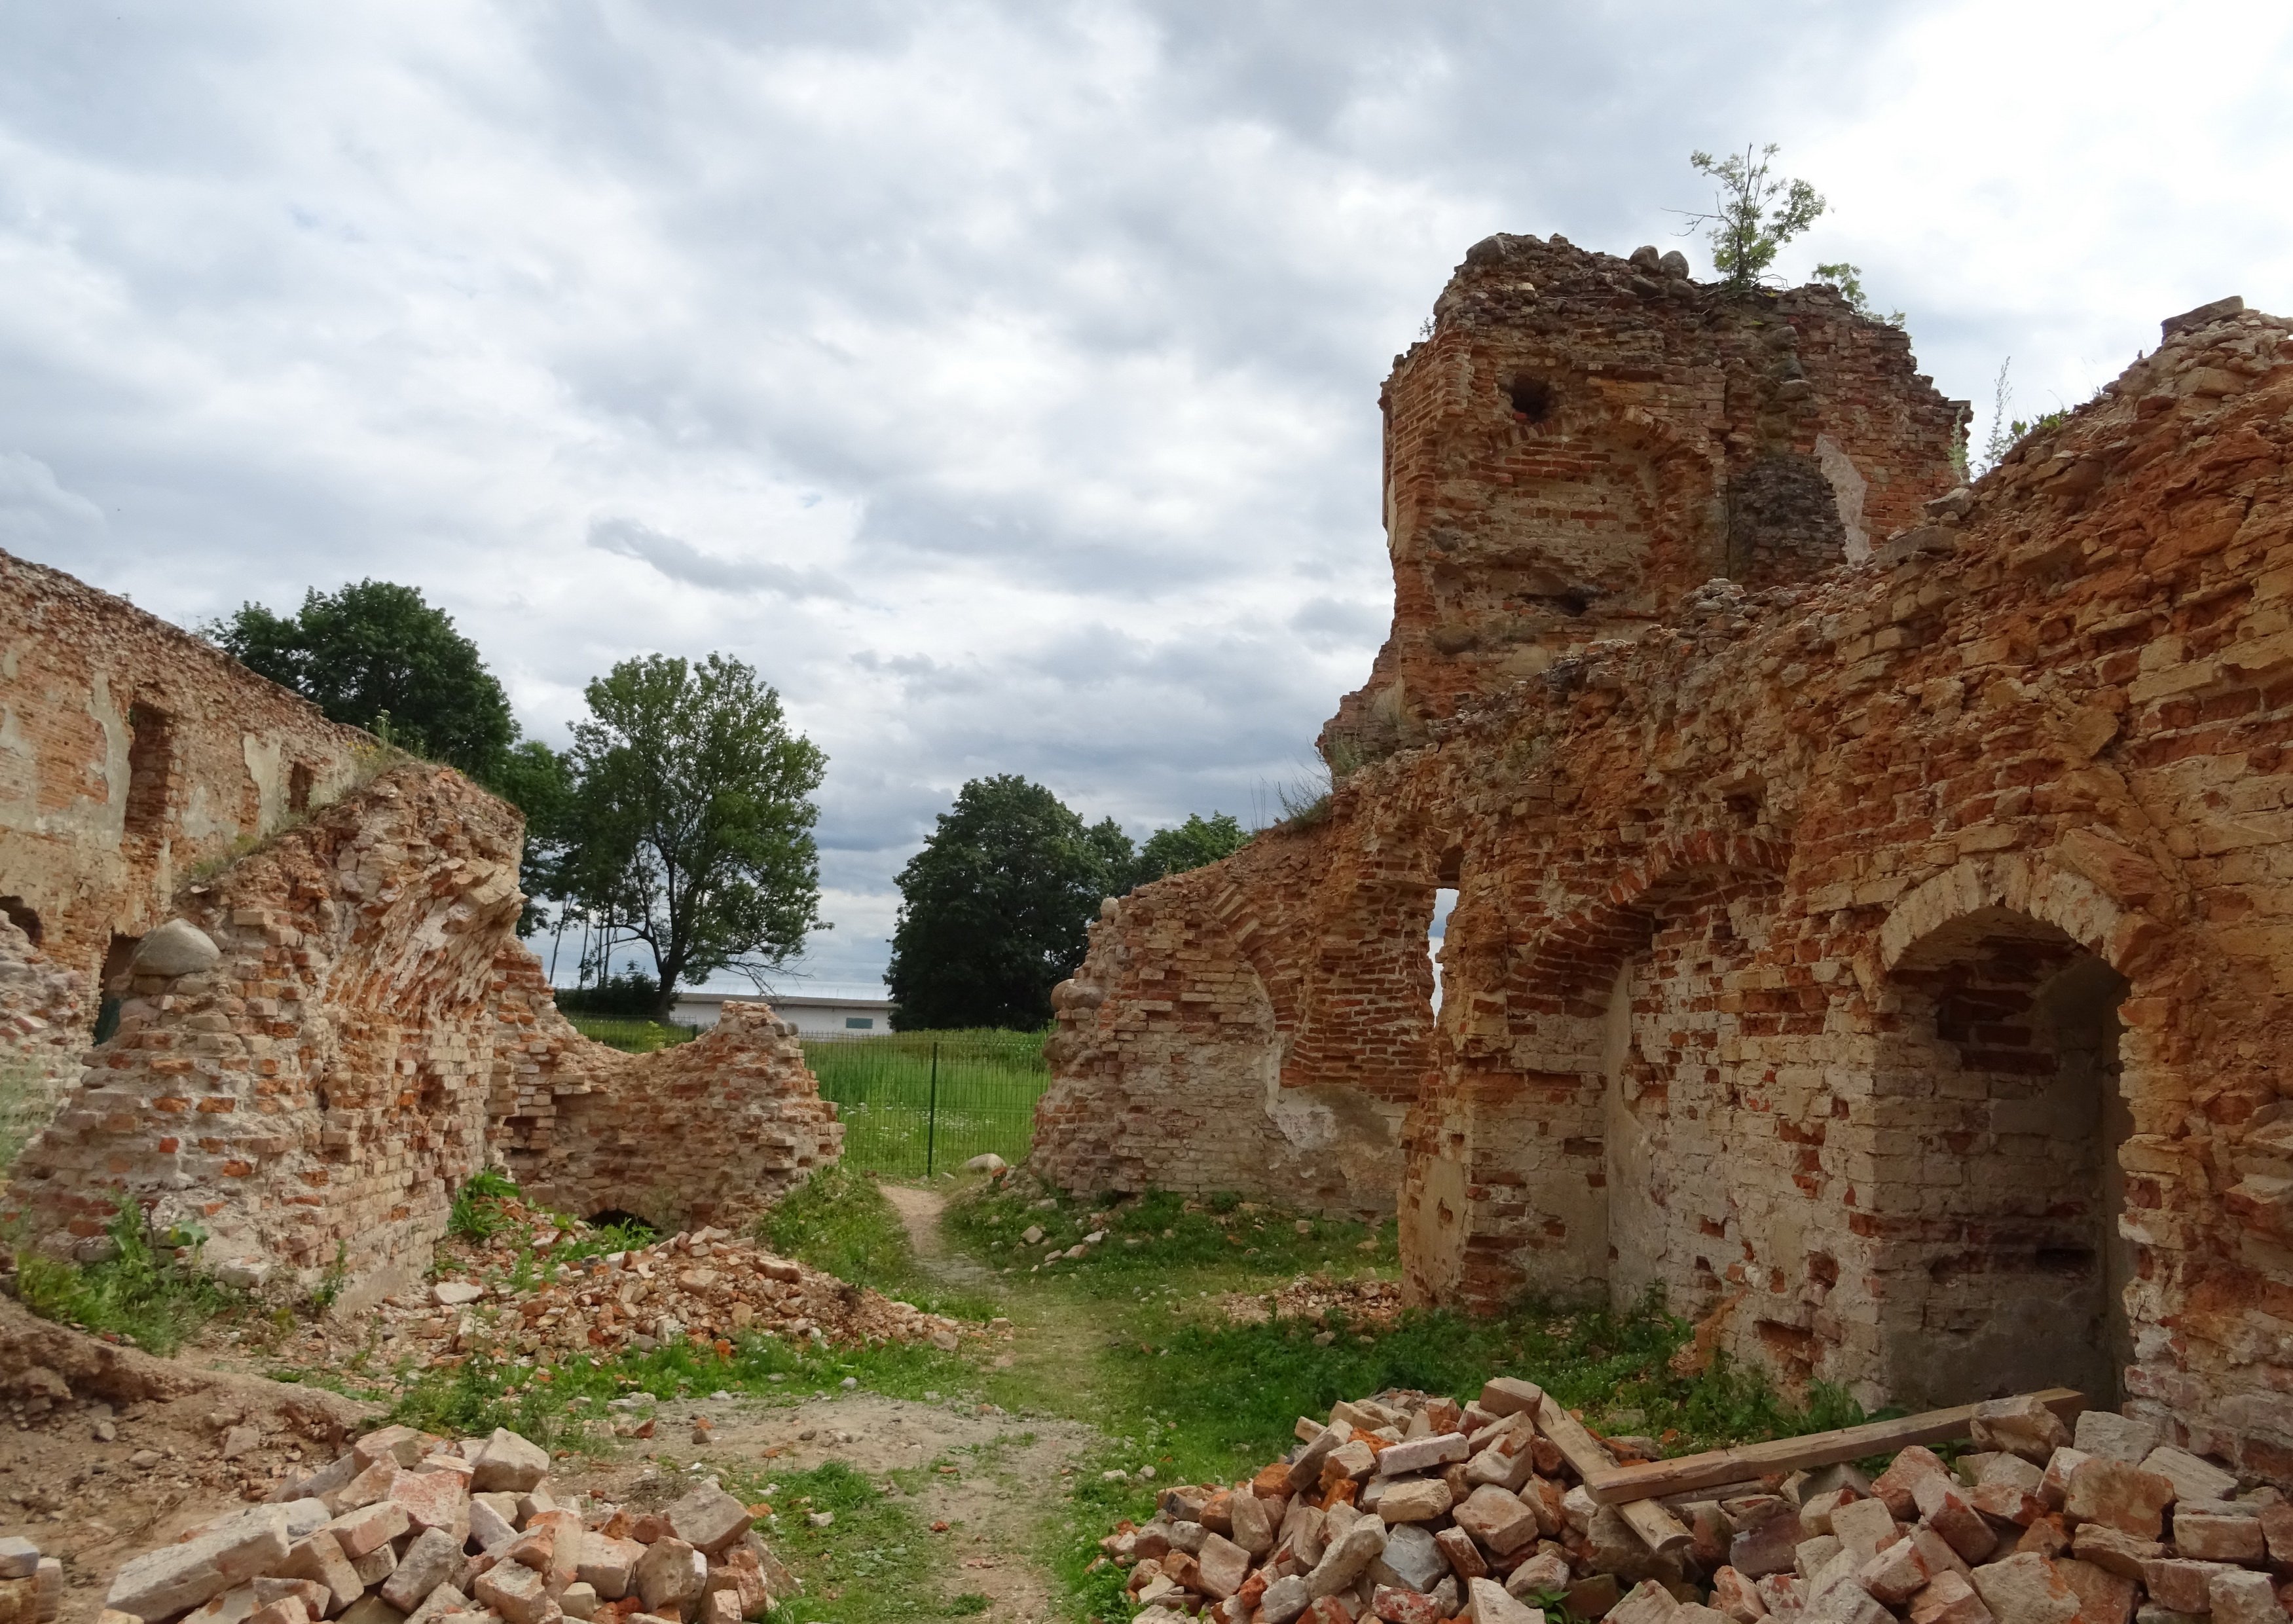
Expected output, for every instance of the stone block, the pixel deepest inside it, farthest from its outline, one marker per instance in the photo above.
(708, 1519)
(2112, 1550)
(1506, 1395)
(514, 1591)
(1649, 1603)
(2238, 1597)
(1347, 1559)
(1223, 1565)
(1896, 1485)
(2193, 1479)
(2020, 1425)
(2104, 1597)
(1950, 1598)
(1497, 1520)
(368, 1528)
(509, 1462)
(160, 1584)
(2115, 1437)
(1421, 1454)
(1486, 1602)
(1412, 1559)
(434, 1556)
(2130, 1499)
(2218, 1538)
(2181, 1584)
(1422, 1501)
(1459, 1551)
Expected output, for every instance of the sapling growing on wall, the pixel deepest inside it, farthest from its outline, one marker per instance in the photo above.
(1752, 214)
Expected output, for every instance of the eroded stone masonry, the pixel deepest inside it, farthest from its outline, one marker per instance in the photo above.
(325, 1020)
(1872, 896)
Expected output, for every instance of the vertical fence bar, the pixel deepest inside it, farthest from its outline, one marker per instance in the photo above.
(931, 1116)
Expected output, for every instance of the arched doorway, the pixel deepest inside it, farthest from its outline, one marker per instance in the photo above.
(1996, 1188)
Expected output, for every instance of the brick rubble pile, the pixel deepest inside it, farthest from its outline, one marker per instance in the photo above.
(31, 1586)
(708, 1285)
(412, 1527)
(1416, 1510)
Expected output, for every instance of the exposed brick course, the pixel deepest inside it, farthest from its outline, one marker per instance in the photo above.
(1888, 963)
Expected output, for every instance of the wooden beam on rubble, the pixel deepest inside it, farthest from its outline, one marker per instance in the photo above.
(1658, 1528)
(1628, 1486)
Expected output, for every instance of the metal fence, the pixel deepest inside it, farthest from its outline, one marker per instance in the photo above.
(916, 1103)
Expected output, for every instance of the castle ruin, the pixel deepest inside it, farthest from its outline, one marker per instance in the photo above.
(1871, 894)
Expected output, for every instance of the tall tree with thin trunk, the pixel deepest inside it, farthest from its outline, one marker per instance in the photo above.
(689, 825)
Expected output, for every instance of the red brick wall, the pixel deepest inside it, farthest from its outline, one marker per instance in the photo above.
(1859, 851)
(372, 1035)
(88, 844)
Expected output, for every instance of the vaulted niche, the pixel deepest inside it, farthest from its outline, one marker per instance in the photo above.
(1998, 1115)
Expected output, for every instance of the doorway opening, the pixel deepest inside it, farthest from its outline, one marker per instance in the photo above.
(2001, 1268)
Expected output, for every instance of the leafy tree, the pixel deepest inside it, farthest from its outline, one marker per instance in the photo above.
(688, 827)
(378, 656)
(1192, 844)
(539, 782)
(994, 908)
(1753, 215)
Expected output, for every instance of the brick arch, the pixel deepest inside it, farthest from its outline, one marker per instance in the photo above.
(2050, 892)
(1579, 955)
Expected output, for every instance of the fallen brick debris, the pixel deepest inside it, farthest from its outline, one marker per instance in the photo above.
(31, 1586)
(409, 1526)
(511, 1296)
(1416, 1509)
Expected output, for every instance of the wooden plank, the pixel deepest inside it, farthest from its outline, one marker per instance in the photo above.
(1615, 1485)
(1658, 1528)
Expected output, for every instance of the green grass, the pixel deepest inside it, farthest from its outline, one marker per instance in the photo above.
(839, 1222)
(143, 1294)
(1239, 1242)
(875, 1565)
(631, 1037)
(898, 1120)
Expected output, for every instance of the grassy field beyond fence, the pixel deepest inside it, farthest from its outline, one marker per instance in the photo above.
(915, 1103)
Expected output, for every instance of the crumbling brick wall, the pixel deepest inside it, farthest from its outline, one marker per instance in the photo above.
(130, 754)
(1891, 964)
(709, 1131)
(43, 1028)
(341, 1028)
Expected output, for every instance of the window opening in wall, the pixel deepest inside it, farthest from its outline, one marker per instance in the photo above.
(1445, 898)
(22, 917)
(860, 1023)
(1532, 398)
(150, 750)
(115, 960)
(299, 787)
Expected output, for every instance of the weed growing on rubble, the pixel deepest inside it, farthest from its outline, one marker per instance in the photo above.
(477, 1212)
(144, 1294)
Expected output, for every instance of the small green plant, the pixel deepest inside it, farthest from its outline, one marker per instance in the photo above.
(967, 1603)
(330, 1288)
(144, 1293)
(1849, 280)
(476, 1214)
(2008, 431)
(1752, 216)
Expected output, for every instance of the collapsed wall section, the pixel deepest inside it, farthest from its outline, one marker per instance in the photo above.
(341, 1028)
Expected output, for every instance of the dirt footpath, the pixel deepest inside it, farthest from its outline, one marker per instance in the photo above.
(1004, 1471)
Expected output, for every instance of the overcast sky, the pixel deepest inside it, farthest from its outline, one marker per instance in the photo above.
(1000, 379)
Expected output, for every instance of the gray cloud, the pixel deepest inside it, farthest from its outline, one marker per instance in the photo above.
(681, 561)
(1000, 378)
